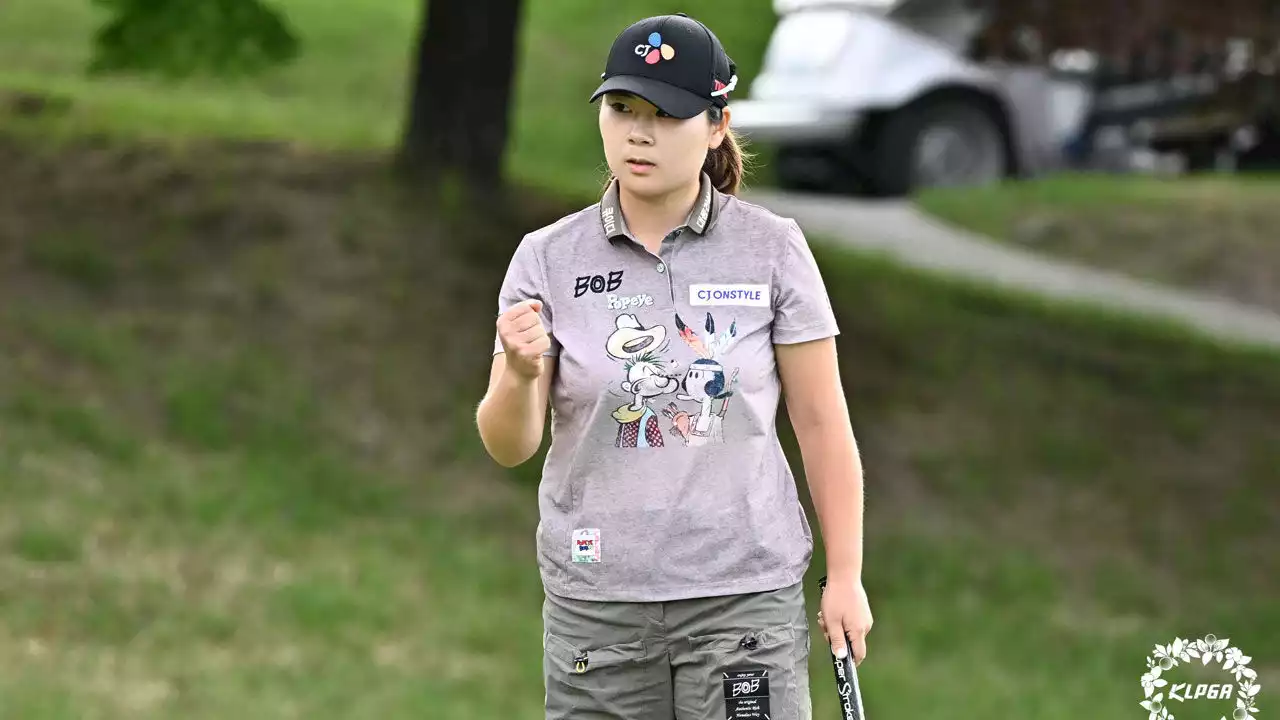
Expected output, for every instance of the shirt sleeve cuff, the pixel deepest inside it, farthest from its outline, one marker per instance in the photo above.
(805, 334)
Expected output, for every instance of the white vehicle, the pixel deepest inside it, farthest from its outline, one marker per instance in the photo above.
(890, 96)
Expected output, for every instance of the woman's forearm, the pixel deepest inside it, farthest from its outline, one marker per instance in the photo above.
(511, 418)
(833, 469)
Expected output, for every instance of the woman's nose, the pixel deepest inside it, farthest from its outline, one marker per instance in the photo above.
(641, 132)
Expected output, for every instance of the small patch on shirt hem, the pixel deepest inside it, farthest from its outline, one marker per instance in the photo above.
(586, 545)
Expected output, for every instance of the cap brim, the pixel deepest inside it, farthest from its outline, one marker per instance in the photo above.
(668, 98)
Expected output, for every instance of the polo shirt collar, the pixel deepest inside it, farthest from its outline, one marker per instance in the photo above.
(701, 218)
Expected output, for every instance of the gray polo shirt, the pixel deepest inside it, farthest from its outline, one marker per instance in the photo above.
(665, 479)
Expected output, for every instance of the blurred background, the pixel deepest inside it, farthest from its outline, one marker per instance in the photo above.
(249, 258)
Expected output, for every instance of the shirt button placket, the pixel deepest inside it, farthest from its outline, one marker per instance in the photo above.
(664, 262)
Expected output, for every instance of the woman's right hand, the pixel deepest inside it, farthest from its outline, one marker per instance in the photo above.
(524, 338)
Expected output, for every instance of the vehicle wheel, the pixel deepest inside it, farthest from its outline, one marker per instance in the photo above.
(942, 143)
(807, 169)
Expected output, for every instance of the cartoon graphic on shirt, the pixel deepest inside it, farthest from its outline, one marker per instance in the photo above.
(706, 383)
(641, 350)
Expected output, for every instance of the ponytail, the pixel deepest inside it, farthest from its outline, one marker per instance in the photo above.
(726, 165)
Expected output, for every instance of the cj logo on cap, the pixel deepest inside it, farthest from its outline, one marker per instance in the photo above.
(655, 50)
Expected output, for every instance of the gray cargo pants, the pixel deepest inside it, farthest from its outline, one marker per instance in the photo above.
(739, 657)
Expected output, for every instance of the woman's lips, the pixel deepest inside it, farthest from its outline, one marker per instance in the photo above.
(640, 167)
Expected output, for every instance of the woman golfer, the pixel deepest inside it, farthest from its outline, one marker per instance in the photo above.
(663, 324)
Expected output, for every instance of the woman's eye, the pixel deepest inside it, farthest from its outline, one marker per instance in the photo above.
(619, 107)
(664, 115)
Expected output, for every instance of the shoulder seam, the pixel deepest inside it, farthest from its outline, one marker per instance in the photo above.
(790, 226)
(770, 215)
(760, 207)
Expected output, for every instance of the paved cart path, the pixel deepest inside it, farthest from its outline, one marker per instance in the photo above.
(900, 230)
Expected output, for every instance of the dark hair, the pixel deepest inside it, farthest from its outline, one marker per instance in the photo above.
(726, 165)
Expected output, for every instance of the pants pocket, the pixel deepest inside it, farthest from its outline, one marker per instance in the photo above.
(613, 681)
(748, 674)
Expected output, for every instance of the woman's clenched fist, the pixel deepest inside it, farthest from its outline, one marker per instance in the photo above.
(524, 338)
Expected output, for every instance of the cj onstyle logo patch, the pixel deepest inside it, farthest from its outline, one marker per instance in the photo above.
(748, 295)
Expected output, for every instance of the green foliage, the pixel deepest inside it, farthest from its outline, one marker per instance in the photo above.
(183, 38)
(228, 494)
(347, 88)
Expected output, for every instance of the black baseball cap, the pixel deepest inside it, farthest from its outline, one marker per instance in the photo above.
(674, 62)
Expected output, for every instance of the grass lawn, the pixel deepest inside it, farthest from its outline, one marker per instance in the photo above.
(348, 89)
(1211, 233)
(238, 477)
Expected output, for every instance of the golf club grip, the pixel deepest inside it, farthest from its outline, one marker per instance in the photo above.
(850, 695)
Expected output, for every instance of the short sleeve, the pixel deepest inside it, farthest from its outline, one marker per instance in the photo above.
(526, 280)
(802, 310)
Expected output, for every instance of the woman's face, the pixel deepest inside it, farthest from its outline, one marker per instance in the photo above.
(653, 153)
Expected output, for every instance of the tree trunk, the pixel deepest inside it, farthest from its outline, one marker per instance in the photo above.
(461, 91)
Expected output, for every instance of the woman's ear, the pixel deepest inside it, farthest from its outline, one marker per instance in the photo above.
(718, 132)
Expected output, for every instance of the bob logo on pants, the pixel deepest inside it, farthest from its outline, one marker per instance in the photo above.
(746, 693)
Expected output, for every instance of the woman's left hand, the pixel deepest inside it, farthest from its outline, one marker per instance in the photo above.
(846, 612)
